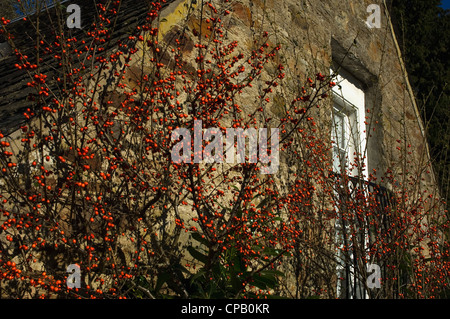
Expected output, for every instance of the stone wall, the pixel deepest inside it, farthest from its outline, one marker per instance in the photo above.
(313, 35)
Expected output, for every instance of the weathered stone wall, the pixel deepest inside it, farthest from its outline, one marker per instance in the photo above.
(312, 35)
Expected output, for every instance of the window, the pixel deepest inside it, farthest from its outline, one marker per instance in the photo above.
(348, 128)
(349, 144)
(339, 138)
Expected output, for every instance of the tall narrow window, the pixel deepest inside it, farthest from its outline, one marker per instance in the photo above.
(349, 143)
(348, 128)
(339, 139)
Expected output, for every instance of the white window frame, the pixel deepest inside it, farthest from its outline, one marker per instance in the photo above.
(349, 106)
(349, 102)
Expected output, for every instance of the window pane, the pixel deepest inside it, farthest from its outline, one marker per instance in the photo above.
(338, 131)
(339, 159)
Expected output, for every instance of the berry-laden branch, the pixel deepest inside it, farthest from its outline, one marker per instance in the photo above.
(90, 179)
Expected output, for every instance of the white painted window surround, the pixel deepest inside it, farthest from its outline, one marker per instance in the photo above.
(348, 129)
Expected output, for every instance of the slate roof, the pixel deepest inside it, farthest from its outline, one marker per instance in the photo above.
(13, 82)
